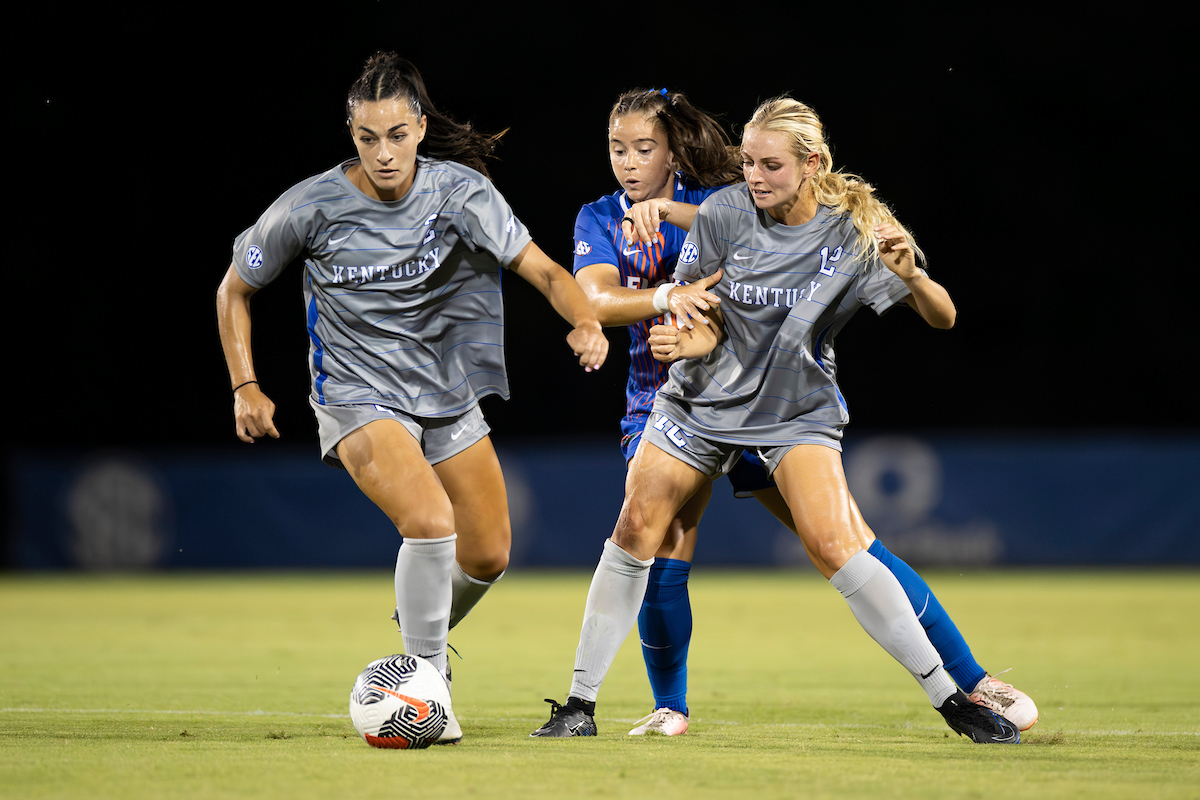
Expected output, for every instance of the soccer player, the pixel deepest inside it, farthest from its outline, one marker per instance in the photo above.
(642, 144)
(403, 248)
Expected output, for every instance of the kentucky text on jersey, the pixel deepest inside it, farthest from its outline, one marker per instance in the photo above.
(410, 269)
(779, 297)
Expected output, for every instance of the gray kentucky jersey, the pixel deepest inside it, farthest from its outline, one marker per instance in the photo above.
(402, 298)
(786, 291)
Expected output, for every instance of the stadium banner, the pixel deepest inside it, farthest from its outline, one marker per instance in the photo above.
(935, 501)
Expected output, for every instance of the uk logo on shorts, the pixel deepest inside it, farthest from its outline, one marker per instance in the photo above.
(254, 257)
(672, 431)
(689, 253)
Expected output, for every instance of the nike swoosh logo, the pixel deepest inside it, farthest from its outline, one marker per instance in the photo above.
(926, 608)
(630, 251)
(454, 436)
(420, 705)
(927, 674)
(336, 242)
(740, 257)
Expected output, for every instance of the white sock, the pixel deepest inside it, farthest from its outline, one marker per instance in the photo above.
(466, 592)
(881, 607)
(423, 596)
(613, 602)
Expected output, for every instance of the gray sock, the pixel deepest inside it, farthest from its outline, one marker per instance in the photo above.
(881, 607)
(613, 602)
(467, 591)
(423, 596)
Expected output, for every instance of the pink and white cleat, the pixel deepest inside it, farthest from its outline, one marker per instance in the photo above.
(1006, 700)
(664, 722)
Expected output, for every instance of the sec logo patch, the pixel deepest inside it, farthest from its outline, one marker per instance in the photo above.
(254, 257)
(689, 253)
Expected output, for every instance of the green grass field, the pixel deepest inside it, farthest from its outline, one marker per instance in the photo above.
(237, 685)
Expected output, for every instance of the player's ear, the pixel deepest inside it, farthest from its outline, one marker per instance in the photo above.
(421, 129)
(811, 162)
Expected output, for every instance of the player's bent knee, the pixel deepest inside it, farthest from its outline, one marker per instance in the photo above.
(484, 566)
(831, 553)
(634, 534)
(423, 526)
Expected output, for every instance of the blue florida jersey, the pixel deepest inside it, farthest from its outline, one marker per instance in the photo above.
(599, 240)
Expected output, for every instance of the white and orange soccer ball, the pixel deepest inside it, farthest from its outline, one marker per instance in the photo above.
(400, 702)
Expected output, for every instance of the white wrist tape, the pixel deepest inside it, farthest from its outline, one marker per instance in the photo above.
(660, 298)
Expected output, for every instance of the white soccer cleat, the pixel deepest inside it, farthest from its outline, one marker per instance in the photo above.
(1007, 701)
(453, 732)
(664, 722)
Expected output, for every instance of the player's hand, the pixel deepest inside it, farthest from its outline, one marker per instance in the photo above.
(690, 302)
(587, 341)
(664, 341)
(895, 251)
(253, 413)
(644, 218)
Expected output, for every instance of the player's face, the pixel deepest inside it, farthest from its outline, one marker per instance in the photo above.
(641, 158)
(386, 134)
(777, 179)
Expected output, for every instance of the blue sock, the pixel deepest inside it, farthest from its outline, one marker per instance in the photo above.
(665, 627)
(942, 633)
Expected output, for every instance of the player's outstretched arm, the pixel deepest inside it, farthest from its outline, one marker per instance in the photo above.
(615, 304)
(670, 343)
(927, 296)
(253, 411)
(556, 284)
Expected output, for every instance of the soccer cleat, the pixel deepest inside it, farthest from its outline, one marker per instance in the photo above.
(664, 721)
(453, 732)
(1006, 700)
(981, 725)
(566, 720)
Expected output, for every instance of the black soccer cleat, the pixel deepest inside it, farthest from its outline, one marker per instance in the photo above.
(568, 720)
(979, 724)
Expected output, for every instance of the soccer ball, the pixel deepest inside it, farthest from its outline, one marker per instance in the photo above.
(400, 702)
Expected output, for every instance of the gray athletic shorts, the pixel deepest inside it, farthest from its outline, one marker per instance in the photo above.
(440, 437)
(712, 458)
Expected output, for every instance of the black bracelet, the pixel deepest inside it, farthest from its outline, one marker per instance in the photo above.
(247, 383)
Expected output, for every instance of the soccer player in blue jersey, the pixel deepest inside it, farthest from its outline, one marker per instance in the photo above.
(668, 157)
(403, 251)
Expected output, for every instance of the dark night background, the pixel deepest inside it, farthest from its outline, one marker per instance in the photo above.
(1029, 159)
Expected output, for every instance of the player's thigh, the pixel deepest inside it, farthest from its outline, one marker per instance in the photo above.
(386, 462)
(773, 501)
(657, 487)
(813, 484)
(474, 483)
(680, 541)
